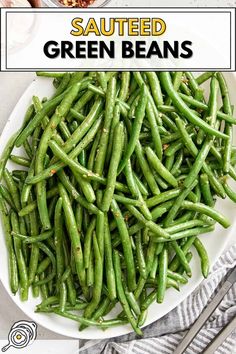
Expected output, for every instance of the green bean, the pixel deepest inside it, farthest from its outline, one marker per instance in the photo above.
(87, 322)
(115, 121)
(58, 238)
(187, 225)
(66, 274)
(34, 255)
(22, 269)
(110, 273)
(124, 200)
(90, 270)
(88, 242)
(156, 229)
(177, 205)
(228, 127)
(73, 233)
(72, 294)
(43, 287)
(98, 276)
(162, 275)
(35, 289)
(7, 152)
(204, 77)
(52, 273)
(131, 300)
(43, 265)
(110, 104)
(125, 83)
(75, 194)
(127, 249)
(33, 204)
(156, 213)
(113, 167)
(203, 256)
(78, 116)
(140, 255)
(12, 187)
(149, 261)
(177, 79)
(140, 185)
(160, 168)
(143, 315)
(141, 82)
(168, 121)
(205, 188)
(135, 191)
(27, 187)
(23, 161)
(48, 74)
(63, 297)
(139, 116)
(12, 262)
(230, 193)
(176, 276)
(180, 254)
(201, 208)
(86, 188)
(7, 196)
(63, 84)
(121, 294)
(155, 87)
(11, 142)
(33, 239)
(104, 304)
(192, 82)
(101, 75)
(163, 197)
(93, 151)
(154, 130)
(153, 270)
(200, 159)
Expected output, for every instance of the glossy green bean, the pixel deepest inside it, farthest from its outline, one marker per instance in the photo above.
(110, 273)
(121, 294)
(137, 125)
(126, 244)
(113, 167)
(162, 276)
(160, 168)
(203, 256)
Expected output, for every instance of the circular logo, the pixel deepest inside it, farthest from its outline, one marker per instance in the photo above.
(22, 334)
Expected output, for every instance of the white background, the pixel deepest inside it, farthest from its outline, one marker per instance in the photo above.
(209, 33)
(12, 86)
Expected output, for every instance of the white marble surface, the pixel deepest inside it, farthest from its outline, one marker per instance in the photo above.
(12, 86)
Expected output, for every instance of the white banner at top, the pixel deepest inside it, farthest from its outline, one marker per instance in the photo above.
(194, 39)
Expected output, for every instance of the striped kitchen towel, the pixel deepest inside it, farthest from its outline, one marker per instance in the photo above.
(163, 336)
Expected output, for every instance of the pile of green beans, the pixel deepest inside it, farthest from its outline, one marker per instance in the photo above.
(117, 176)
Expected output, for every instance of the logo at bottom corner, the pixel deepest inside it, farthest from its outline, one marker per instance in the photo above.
(21, 334)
